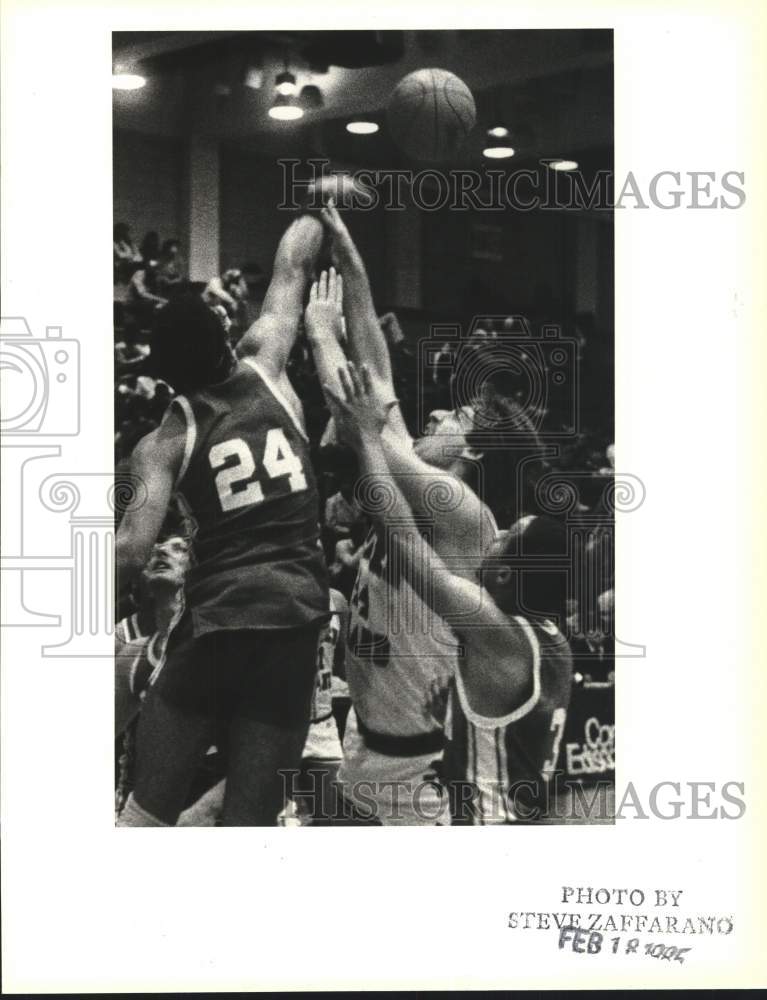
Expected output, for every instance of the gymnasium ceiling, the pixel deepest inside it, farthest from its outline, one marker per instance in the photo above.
(553, 89)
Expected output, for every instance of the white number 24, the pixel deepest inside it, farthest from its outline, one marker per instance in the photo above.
(279, 459)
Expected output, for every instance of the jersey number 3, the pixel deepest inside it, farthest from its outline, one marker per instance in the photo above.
(279, 459)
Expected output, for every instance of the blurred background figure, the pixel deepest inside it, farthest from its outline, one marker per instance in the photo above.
(171, 271)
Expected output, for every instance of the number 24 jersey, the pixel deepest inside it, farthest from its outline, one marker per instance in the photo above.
(249, 497)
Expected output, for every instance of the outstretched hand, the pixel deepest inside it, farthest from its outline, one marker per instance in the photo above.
(342, 248)
(324, 313)
(363, 411)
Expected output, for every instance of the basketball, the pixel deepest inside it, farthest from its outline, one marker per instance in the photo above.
(430, 113)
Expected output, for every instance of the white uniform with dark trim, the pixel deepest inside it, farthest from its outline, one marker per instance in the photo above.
(139, 658)
(400, 660)
(493, 764)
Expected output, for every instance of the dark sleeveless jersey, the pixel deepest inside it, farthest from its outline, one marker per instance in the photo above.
(496, 770)
(248, 494)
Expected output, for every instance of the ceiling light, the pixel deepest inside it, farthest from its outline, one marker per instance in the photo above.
(498, 132)
(286, 109)
(362, 128)
(311, 97)
(285, 84)
(563, 165)
(498, 152)
(127, 81)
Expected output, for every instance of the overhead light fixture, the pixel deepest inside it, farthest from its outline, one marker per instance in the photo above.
(563, 165)
(127, 81)
(498, 132)
(498, 150)
(285, 84)
(285, 109)
(362, 128)
(311, 97)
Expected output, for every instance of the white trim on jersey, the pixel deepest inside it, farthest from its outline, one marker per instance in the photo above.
(128, 629)
(158, 644)
(191, 435)
(485, 722)
(294, 419)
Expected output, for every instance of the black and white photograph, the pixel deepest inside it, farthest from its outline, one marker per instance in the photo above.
(363, 309)
(403, 482)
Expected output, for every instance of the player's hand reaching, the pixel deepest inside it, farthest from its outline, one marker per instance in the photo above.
(324, 313)
(364, 410)
(343, 251)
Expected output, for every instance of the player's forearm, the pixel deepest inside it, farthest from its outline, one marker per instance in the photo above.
(273, 333)
(367, 344)
(421, 565)
(374, 467)
(328, 359)
(418, 480)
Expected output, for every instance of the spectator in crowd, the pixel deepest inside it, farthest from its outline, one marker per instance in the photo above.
(144, 297)
(228, 290)
(125, 254)
(171, 272)
(150, 247)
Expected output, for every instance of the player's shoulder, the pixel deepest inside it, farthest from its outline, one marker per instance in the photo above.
(164, 443)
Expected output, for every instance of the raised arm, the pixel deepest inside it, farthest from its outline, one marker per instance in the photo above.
(155, 464)
(273, 334)
(463, 524)
(367, 343)
(497, 669)
(323, 322)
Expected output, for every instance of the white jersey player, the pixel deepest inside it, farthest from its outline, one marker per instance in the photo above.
(400, 652)
(511, 686)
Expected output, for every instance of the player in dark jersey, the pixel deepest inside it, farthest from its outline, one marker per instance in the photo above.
(508, 704)
(240, 662)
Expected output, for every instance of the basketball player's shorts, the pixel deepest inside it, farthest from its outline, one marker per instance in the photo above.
(266, 675)
(390, 780)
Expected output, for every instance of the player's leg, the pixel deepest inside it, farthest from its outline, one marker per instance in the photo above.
(177, 724)
(270, 678)
(316, 791)
(170, 743)
(261, 757)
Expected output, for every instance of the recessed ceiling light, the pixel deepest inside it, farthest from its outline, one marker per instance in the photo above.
(127, 81)
(498, 152)
(498, 132)
(362, 128)
(286, 109)
(285, 84)
(563, 165)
